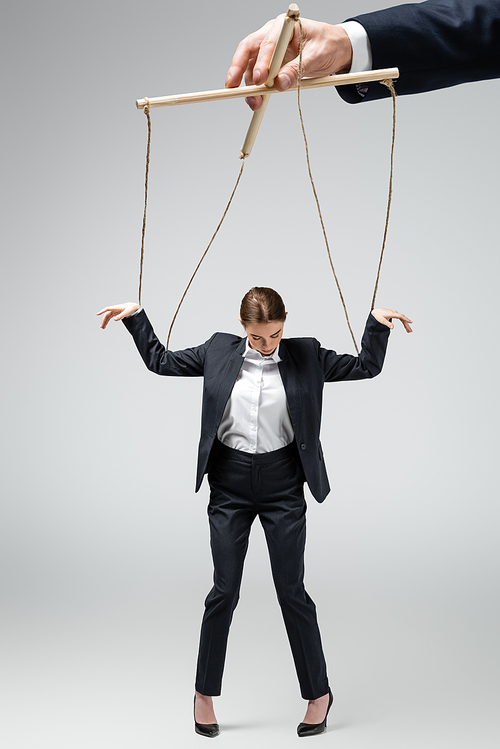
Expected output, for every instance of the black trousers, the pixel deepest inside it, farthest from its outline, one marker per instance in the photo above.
(270, 485)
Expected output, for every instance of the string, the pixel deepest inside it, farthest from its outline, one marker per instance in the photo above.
(208, 247)
(314, 190)
(146, 181)
(390, 86)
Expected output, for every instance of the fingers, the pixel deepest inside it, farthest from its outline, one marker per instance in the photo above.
(238, 66)
(247, 50)
(288, 73)
(266, 50)
(406, 322)
(384, 316)
(113, 310)
(252, 59)
(108, 314)
(117, 313)
(327, 49)
(254, 102)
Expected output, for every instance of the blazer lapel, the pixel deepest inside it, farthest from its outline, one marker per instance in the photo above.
(228, 378)
(289, 377)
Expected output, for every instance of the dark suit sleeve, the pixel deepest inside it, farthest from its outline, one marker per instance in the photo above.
(338, 367)
(186, 363)
(434, 44)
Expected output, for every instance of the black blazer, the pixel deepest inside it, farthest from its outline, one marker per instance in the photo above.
(304, 369)
(434, 44)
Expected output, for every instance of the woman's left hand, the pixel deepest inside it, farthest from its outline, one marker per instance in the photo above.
(384, 316)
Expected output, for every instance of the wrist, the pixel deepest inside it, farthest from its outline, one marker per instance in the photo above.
(134, 309)
(341, 43)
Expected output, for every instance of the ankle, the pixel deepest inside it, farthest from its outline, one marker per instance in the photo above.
(203, 697)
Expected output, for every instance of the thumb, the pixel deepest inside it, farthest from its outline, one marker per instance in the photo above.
(288, 75)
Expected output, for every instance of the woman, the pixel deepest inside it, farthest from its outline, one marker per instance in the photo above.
(259, 442)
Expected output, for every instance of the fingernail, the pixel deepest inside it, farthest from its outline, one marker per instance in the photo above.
(256, 77)
(284, 82)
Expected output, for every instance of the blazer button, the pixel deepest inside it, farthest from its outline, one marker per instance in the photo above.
(303, 446)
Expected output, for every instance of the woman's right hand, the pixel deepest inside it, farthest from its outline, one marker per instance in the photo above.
(118, 312)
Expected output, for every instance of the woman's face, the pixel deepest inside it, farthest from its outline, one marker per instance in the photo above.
(264, 337)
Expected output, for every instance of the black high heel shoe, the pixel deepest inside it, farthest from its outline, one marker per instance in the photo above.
(313, 729)
(211, 730)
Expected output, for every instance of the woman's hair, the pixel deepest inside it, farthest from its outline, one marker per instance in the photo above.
(262, 305)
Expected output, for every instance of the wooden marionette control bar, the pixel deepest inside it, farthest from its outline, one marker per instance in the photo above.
(268, 88)
(345, 79)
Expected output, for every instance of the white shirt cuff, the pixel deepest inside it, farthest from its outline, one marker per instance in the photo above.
(361, 48)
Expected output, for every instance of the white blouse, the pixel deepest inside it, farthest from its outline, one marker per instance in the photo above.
(256, 418)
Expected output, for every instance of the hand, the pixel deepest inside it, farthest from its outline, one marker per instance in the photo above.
(118, 312)
(384, 316)
(326, 49)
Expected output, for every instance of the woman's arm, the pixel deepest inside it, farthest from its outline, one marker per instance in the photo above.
(338, 367)
(185, 363)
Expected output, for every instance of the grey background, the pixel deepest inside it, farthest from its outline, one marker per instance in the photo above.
(104, 547)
